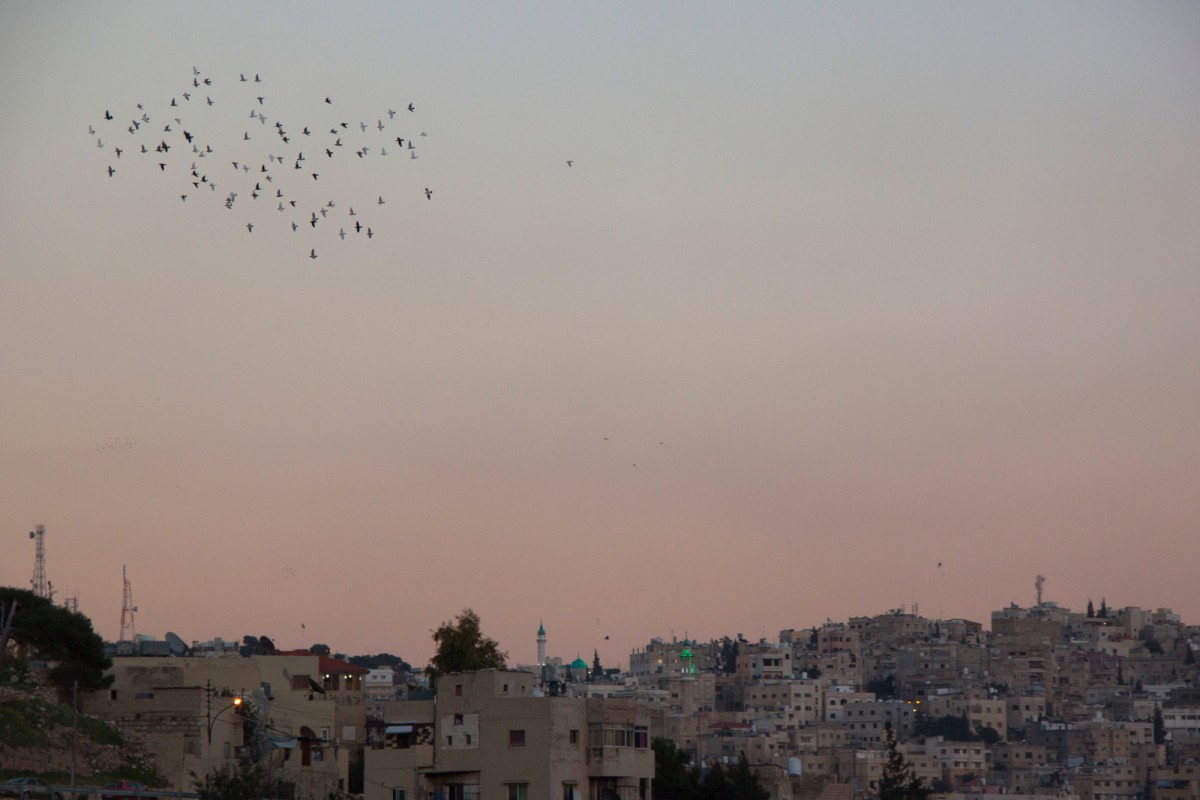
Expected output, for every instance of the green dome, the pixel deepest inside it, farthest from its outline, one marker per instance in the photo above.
(579, 663)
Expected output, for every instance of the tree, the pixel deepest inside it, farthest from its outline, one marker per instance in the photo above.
(320, 650)
(1091, 609)
(1160, 726)
(884, 689)
(59, 636)
(397, 663)
(989, 735)
(1103, 612)
(597, 670)
(675, 777)
(898, 781)
(743, 782)
(950, 727)
(462, 647)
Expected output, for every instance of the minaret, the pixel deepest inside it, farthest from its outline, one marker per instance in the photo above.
(541, 640)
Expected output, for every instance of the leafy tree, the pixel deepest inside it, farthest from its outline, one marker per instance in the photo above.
(320, 650)
(743, 783)
(251, 646)
(728, 655)
(397, 663)
(1154, 647)
(462, 647)
(989, 735)
(56, 635)
(950, 728)
(675, 777)
(898, 781)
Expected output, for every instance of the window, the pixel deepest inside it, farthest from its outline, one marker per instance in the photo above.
(458, 719)
(574, 737)
(518, 791)
(516, 738)
(458, 690)
(570, 792)
(468, 738)
(450, 740)
(397, 794)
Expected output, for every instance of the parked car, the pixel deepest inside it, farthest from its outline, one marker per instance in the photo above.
(29, 789)
(124, 786)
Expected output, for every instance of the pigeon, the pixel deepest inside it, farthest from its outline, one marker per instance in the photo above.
(313, 254)
(428, 193)
(380, 199)
(107, 115)
(342, 233)
(369, 234)
(410, 107)
(570, 163)
(250, 227)
(111, 171)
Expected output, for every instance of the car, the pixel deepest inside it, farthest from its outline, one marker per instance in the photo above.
(126, 788)
(29, 789)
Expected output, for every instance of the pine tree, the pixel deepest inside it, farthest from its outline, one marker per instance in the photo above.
(1091, 611)
(1103, 614)
(597, 670)
(899, 781)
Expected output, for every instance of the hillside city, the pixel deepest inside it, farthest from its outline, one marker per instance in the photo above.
(1101, 704)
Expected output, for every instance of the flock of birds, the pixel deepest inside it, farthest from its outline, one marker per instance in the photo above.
(266, 171)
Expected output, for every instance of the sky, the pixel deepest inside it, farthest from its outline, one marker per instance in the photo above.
(837, 308)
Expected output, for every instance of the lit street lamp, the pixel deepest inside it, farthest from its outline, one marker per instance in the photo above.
(212, 720)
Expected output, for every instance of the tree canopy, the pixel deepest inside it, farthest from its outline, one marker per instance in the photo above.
(462, 647)
(56, 635)
(676, 778)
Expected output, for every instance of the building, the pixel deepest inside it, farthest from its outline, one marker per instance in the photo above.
(495, 734)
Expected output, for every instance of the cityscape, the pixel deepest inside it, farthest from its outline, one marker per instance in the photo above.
(1038, 701)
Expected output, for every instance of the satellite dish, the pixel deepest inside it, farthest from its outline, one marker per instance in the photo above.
(176, 645)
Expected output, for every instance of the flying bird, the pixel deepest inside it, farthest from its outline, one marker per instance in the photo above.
(428, 193)
(410, 107)
(570, 163)
(250, 227)
(313, 254)
(110, 171)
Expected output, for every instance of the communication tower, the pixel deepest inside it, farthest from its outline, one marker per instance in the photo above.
(41, 586)
(128, 609)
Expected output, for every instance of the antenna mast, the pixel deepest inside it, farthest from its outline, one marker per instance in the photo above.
(41, 586)
(128, 609)
(1038, 583)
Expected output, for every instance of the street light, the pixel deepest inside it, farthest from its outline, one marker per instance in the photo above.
(212, 720)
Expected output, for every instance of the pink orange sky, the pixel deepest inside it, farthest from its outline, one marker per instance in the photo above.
(830, 295)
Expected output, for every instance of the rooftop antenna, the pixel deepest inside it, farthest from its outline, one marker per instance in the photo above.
(1038, 583)
(128, 609)
(41, 586)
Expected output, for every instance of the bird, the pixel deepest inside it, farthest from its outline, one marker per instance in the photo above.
(183, 197)
(306, 132)
(162, 167)
(91, 131)
(369, 233)
(313, 254)
(210, 100)
(428, 193)
(342, 233)
(327, 100)
(391, 114)
(294, 227)
(111, 171)
(363, 125)
(358, 227)
(243, 77)
(118, 151)
(570, 163)
(250, 227)
(107, 114)
(379, 125)
(380, 200)
(246, 136)
(352, 212)
(410, 107)
(257, 79)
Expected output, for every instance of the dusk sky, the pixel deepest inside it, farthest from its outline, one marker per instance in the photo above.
(889, 304)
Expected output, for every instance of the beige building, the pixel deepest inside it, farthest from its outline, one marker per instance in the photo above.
(301, 713)
(492, 735)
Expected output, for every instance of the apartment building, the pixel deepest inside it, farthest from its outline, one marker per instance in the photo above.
(493, 734)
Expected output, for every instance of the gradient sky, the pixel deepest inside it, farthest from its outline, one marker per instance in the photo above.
(859, 288)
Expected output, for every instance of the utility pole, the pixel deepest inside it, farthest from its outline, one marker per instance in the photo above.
(74, 727)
